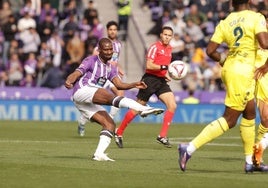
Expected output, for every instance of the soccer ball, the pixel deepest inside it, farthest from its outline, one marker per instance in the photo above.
(177, 70)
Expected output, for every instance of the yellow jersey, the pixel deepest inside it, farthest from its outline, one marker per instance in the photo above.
(239, 31)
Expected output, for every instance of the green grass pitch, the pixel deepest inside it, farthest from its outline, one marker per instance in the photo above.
(51, 154)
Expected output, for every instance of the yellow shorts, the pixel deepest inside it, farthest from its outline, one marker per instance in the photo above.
(240, 85)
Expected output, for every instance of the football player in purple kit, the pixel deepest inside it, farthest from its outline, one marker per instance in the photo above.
(112, 32)
(87, 82)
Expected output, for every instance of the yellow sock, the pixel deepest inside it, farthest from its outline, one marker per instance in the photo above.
(261, 131)
(247, 133)
(210, 132)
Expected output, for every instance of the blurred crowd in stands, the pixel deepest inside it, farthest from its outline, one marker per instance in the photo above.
(41, 44)
(194, 22)
(42, 41)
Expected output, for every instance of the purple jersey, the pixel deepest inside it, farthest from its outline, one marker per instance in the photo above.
(94, 73)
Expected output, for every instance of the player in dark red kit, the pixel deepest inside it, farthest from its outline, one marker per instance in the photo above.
(157, 60)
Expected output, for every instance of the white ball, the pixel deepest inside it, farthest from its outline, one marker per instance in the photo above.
(177, 69)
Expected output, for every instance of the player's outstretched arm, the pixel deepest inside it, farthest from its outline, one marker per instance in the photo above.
(125, 86)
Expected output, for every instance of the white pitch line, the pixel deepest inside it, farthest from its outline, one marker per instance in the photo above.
(186, 139)
(172, 140)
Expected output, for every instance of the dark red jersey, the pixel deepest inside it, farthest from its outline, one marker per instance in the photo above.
(161, 55)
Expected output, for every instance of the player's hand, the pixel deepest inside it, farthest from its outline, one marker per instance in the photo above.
(141, 85)
(261, 71)
(68, 85)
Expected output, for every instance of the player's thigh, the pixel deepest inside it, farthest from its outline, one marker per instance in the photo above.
(117, 92)
(102, 96)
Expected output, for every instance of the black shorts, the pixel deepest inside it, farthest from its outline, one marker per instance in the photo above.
(155, 85)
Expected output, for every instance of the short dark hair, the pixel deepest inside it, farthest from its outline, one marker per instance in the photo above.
(103, 41)
(110, 23)
(166, 28)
